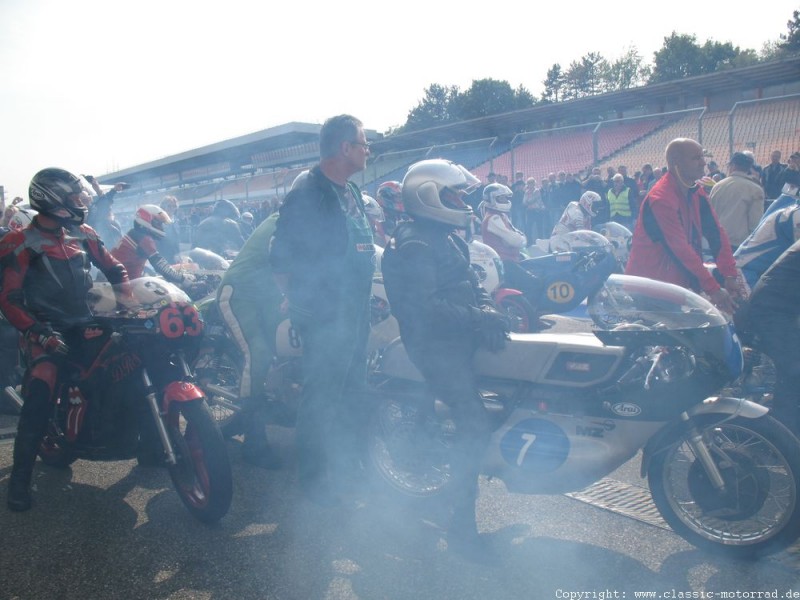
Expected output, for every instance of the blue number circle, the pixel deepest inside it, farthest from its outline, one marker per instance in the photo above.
(535, 445)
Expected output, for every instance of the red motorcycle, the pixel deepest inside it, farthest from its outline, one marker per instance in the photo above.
(126, 387)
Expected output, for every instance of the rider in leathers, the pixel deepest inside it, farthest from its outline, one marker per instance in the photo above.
(220, 231)
(139, 245)
(45, 280)
(445, 316)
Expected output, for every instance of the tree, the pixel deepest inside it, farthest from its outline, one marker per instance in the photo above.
(488, 97)
(554, 84)
(628, 71)
(679, 57)
(434, 109)
(790, 42)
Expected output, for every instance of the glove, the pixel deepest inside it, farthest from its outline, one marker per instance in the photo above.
(492, 329)
(50, 340)
(189, 278)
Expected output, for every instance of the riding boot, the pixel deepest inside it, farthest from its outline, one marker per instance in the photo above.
(256, 449)
(30, 431)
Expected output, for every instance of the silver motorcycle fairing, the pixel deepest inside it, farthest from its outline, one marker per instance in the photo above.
(547, 453)
(725, 407)
(571, 360)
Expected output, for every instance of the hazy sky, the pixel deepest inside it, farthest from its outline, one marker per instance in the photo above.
(98, 85)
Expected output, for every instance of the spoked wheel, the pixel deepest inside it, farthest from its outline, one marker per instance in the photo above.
(52, 453)
(410, 448)
(758, 510)
(220, 367)
(520, 313)
(202, 473)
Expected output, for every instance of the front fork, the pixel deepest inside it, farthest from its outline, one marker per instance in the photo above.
(701, 451)
(158, 417)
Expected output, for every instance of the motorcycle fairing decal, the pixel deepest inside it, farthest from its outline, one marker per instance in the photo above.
(176, 320)
(76, 413)
(626, 409)
(560, 292)
(181, 391)
(535, 445)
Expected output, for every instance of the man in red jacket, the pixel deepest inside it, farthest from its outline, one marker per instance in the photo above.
(674, 218)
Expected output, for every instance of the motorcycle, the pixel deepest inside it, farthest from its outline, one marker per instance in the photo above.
(219, 363)
(620, 238)
(571, 268)
(569, 409)
(490, 272)
(130, 378)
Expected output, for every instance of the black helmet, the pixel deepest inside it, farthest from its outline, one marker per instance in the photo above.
(226, 209)
(51, 192)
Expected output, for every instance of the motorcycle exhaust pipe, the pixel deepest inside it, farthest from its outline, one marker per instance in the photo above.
(13, 395)
(223, 392)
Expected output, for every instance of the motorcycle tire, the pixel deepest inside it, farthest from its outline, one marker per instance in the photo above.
(202, 472)
(759, 513)
(409, 449)
(220, 365)
(54, 454)
(520, 313)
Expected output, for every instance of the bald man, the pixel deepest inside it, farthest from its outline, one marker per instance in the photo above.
(674, 218)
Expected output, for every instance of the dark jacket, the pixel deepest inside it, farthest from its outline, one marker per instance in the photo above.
(310, 244)
(431, 286)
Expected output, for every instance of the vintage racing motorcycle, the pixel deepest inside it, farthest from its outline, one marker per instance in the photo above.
(131, 378)
(568, 409)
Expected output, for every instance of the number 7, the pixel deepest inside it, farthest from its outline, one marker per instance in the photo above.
(529, 439)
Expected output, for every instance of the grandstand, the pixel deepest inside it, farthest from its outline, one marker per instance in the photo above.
(755, 108)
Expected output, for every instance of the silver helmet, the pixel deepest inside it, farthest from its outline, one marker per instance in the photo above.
(434, 189)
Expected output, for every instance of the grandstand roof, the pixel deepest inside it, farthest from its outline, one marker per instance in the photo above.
(237, 151)
(691, 90)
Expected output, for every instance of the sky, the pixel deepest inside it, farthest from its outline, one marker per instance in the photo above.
(94, 86)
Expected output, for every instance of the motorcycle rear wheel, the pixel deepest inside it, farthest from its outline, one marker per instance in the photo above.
(222, 367)
(409, 448)
(758, 513)
(202, 472)
(520, 313)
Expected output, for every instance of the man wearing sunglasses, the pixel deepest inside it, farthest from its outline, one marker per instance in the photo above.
(323, 257)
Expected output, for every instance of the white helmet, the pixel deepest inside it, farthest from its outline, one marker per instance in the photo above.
(372, 208)
(497, 196)
(21, 219)
(433, 190)
(152, 219)
(587, 200)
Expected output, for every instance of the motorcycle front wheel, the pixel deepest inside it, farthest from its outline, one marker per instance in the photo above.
(410, 448)
(220, 366)
(520, 313)
(758, 510)
(202, 471)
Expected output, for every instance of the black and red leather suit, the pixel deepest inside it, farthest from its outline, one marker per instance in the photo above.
(43, 288)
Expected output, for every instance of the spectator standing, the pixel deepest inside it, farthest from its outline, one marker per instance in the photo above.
(738, 200)
(630, 182)
(646, 181)
(169, 246)
(771, 175)
(778, 229)
(323, 256)
(537, 222)
(518, 212)
(622, 203)
(673, 221)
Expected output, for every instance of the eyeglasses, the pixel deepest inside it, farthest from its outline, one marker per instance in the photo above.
(366, 145)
